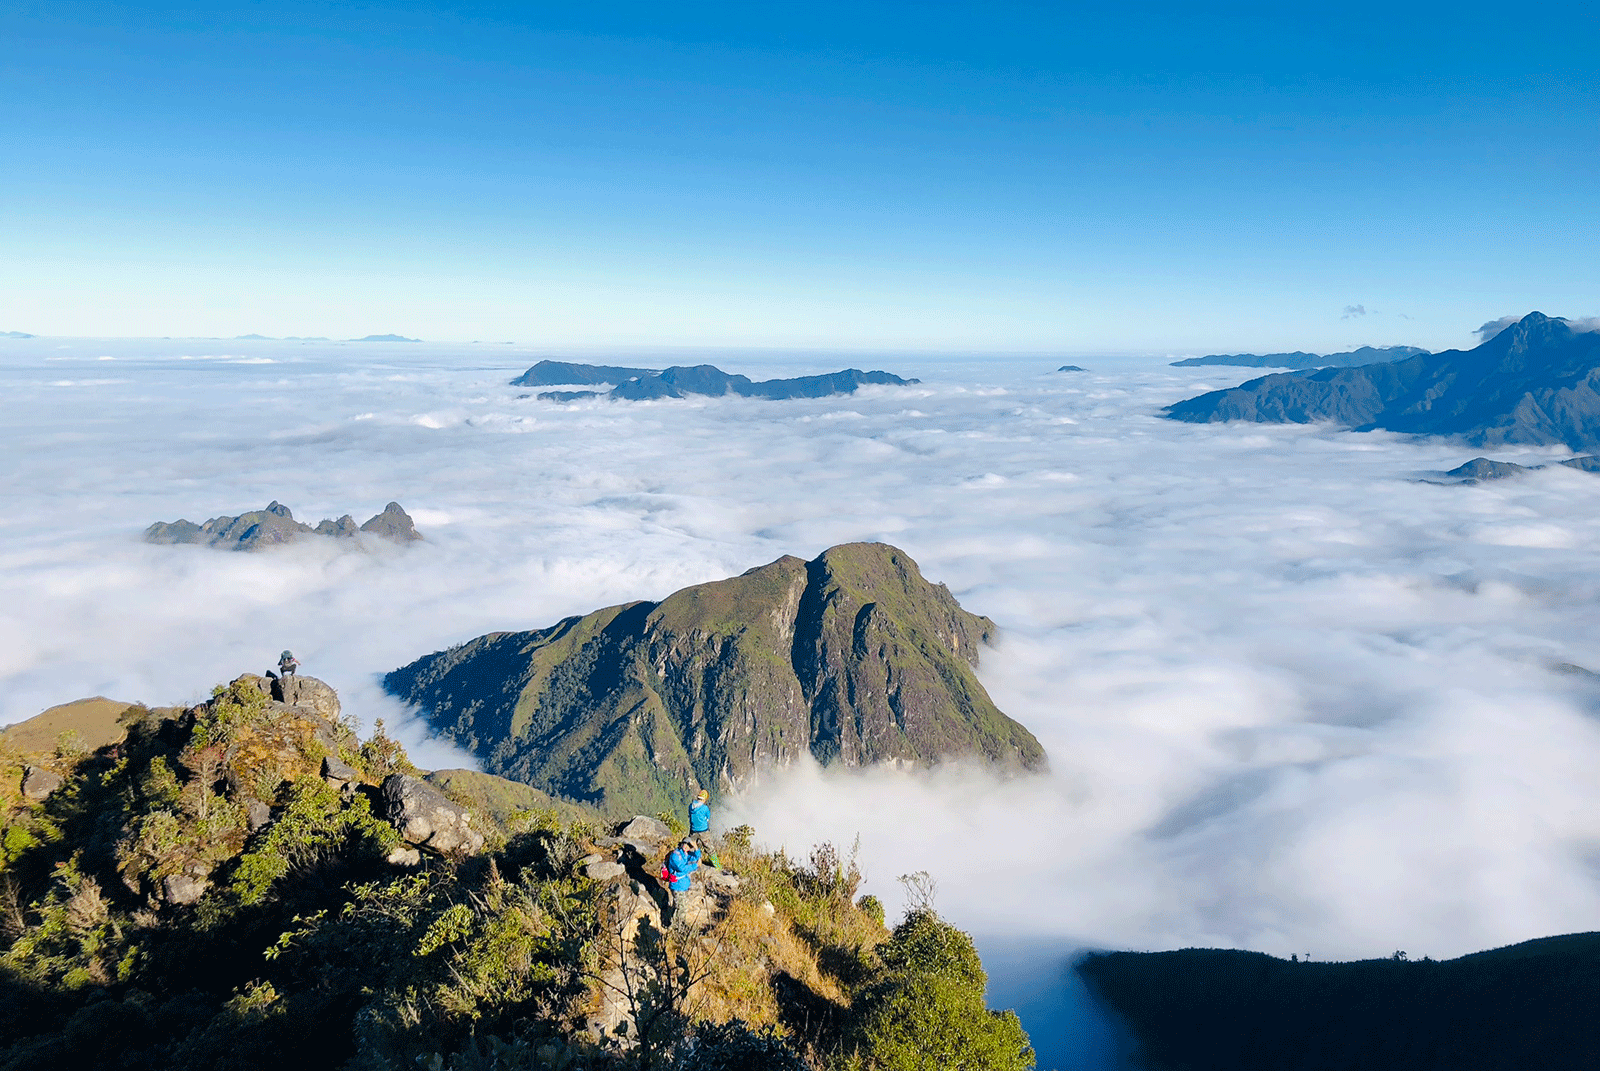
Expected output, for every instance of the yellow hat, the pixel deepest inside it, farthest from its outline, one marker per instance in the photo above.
(704, 795)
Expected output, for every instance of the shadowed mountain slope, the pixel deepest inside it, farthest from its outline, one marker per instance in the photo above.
(1536, 382)
(1205, 1009)
(852, 657)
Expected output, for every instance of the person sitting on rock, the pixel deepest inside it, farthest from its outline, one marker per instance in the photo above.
(681, 862)
(700, 827)
(287, 664)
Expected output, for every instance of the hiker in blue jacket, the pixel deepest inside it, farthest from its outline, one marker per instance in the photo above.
(700, 827)
(681, 862)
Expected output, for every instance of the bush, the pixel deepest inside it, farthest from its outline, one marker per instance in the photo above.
(926, 1012)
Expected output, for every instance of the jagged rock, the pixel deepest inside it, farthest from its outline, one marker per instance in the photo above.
(311, 695)
(262, 528)
(393, 523)
(338, 773)
(605, 870)
(256, 814)
(183, 888)
(643, 827)
(424, 816)
(343, 528)
(38, 783)
(405, 856)
(718, 879)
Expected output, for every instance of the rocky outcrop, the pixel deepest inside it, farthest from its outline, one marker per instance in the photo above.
(1481, 469)
(681, 381)
(275, 525)
(852, 658)
(1537, 382)
(339, 774)
(427, 818)
(185, 888)
(38, 783)
(392, 524)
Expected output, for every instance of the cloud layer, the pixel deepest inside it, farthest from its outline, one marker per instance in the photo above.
(1294, 700)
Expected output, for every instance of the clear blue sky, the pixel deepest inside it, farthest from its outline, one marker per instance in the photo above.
(1108, 178)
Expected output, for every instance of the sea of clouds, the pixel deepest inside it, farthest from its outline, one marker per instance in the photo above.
(1294, 699)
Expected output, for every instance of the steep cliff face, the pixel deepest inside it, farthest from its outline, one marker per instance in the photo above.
(853, 657)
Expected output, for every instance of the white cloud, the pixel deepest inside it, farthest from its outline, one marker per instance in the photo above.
(1293, 700)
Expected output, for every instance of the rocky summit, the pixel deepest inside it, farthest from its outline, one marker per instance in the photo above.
(852, 658)
(1537, 382)
(274, 525)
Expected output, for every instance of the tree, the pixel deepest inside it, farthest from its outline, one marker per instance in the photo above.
(926, 1010)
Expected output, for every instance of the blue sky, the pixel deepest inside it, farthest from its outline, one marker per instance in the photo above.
(1076, 179)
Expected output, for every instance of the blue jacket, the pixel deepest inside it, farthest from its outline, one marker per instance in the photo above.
(680, 865)
(699, 817)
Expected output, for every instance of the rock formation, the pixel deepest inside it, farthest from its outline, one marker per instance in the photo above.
(681, 381)
(1537, 382)
(426, 818)
(852, 658)
(274, 525)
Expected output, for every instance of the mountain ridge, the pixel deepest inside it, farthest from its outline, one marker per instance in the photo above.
(681, 381)
(852, 657)
(1537, 382)
(1300, 359)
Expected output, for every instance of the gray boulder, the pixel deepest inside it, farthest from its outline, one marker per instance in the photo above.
(309, 695)
(338, 773)
(256, 814)
(405, 856)
(426, 817)
(644, 828)
(183, 888)
(718, 879)
(605, 870)
(37, 782)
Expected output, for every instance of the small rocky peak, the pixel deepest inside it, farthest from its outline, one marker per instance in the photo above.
(393, 523)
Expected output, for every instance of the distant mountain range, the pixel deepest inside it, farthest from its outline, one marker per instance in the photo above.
(1537, 382)
(1530, 1005)
(15, 334)
(262, 528)
(322, 338)
(681, 381)
(852, 658)
(1301, 359)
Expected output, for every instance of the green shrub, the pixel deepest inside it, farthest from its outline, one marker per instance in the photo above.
(926, 1011)
(315, 825)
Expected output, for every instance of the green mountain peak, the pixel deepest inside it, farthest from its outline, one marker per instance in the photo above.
(853, 657)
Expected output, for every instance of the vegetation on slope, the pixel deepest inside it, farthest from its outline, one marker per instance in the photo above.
(222, 889)
(854, 658)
